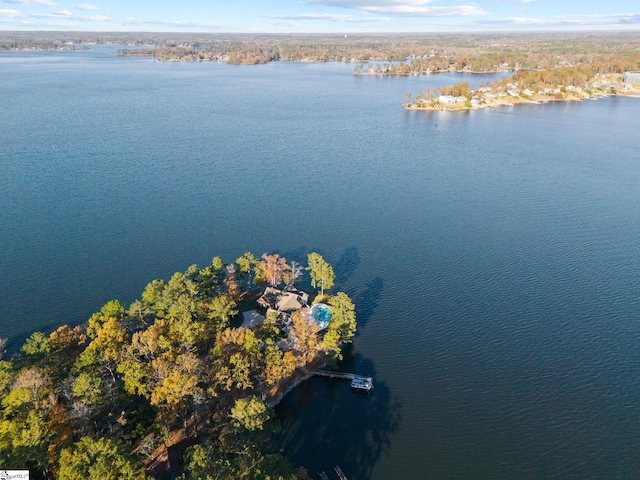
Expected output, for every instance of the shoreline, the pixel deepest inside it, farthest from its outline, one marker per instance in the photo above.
(300, 375)
(281, 393)
(512, 101)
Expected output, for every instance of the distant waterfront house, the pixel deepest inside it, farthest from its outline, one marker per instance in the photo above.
(282, 301)
(450, 99)
(631, 77)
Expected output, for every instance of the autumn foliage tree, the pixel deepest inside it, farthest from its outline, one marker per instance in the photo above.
(91, 401)
(273, 268)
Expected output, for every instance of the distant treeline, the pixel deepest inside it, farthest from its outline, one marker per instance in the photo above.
(611, 54)
(419, 53)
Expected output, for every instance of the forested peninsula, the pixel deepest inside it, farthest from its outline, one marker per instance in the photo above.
(538, 86)
(181, 382)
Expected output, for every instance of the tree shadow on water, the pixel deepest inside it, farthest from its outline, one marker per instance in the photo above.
(367, 301)
(346, 264)
(325, 423)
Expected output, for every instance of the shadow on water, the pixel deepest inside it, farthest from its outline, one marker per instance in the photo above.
(367, 301)
(325, 423)
(344, 268)
(298, 255)
(347, 264)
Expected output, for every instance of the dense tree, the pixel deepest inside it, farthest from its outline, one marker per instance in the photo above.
(273, 267)
(170, 363)
(220, 310)
(344, 316)
(36, 345)
(88, 389)
(152, 297)
(279, 365)
(247, 264)
(101, 459)
(251, 413)
(305, 335)
(320, 271)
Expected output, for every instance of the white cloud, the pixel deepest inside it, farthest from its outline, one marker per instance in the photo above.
(68, 15)
(403, 8)
(285, 24)
(364, 4)
(419, 11)
(86, 6)
(309, 16)
(514, 1)
(47, 3)
(323, 16)
(138, 22)
(6, 13)
(369, 19)
(565, 21)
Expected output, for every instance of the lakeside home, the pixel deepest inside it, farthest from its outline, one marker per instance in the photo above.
(283, 301)
(496, 95)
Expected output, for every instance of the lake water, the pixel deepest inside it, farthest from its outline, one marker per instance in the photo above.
(494, 256)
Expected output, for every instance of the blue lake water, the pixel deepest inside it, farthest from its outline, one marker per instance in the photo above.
(494, 256)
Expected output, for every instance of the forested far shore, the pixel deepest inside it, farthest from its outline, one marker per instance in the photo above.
(417, 53)
(611, 54)
(179, 373)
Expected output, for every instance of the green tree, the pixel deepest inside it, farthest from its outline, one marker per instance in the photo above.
(113, 308)
(36, 345)
(343, 321)
(101, 459)
(206, 462)
(220, 311)
(320, 271)
(152, 297)
(88, 389)
(247, 263)
(251, 413)
(342, 326)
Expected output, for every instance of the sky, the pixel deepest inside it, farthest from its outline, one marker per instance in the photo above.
(321, 16)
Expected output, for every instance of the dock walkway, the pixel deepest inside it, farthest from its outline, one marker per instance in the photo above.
(340, 473)
(358, 382)
(328, 373)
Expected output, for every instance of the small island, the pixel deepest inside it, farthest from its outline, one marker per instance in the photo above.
(182, 382)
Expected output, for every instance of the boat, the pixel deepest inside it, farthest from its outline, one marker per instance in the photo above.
(362, 383)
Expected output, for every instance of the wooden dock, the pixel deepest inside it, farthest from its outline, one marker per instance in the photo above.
(328, 373)
(340, 473)
(357, 382)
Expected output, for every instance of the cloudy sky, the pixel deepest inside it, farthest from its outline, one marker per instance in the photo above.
(298, 16)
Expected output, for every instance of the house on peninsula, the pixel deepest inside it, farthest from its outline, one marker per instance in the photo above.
(283, 302)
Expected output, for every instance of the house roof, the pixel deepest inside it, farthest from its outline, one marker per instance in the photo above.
(283, 301)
